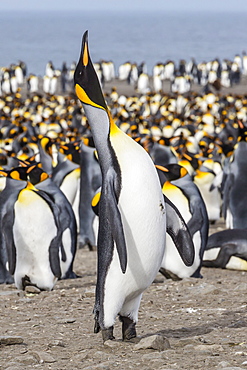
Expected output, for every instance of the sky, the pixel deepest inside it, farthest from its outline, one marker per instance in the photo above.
(126, 5)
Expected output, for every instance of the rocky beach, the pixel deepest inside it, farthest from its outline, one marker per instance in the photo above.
(188, 324)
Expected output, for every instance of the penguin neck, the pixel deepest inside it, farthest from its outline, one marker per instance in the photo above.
(102, 126)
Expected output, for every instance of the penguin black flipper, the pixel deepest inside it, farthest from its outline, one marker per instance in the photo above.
(110, 224)
(195, 223)
(179, 232)
(66, 219)
(226, 193)
(109, 207)
(8, 198)
(8, 221)
(113, 214)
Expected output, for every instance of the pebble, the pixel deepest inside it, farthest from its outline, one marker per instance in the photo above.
(69, 320)
(157, 342)
(43, 357)
(223, 364)
(104, 365)
(204, 288)
(30, 289)
(152, 356)
(9, 340)
(112, 344)
(89, 292)
(185, 341)
(232, 368)
(213, 348)
(28, 360)
(56, 343)
(242, 287)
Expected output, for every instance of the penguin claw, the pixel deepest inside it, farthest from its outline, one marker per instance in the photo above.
(128, 328)
(107, 334)
(90, 246)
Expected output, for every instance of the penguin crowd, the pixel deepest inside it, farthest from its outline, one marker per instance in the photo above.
(182, 76)
(153, 169)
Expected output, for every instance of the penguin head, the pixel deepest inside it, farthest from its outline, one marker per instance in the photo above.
(172, 171)
(71, 151)
(35, 174)
(87, 86)
(17, 173)
(27, 171)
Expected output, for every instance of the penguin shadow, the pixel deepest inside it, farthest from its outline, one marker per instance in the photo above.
(77, 282)
(229, 319)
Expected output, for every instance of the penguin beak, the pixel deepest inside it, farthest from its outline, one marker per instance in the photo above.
(84, 51)
(88, 93)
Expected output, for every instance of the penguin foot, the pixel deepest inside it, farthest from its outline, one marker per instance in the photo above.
(107, 334)
(86, 243)
(6, 279)
(169, 274)
(27, 282)
(70, 275)
(128, 328)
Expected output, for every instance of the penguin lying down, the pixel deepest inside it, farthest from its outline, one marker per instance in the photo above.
(38, 238)
(227, 249)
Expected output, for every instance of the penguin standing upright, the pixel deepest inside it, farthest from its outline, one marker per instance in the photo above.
(38, 228)
(132, 214)
(234, 195)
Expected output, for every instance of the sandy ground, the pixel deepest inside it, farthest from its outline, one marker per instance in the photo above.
(200, 323)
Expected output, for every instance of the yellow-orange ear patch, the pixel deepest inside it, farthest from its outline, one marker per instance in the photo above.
(44, 176)
(15, 175)
(82, 95)
(96, 199)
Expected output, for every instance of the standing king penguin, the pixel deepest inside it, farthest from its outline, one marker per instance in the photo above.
(132, 214)
(38, 228)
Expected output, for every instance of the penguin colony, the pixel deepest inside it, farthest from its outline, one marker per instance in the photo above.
(181, 76)
(48, 162)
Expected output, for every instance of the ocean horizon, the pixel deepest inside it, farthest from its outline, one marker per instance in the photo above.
(38, 37)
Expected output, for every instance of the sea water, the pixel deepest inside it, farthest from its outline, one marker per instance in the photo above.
(38, 37)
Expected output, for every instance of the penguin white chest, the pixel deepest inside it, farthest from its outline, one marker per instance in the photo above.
(142, 207)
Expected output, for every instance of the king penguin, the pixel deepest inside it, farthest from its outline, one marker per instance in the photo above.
(39, 231)
(227, 249)
(184, 194)
(132, 214)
